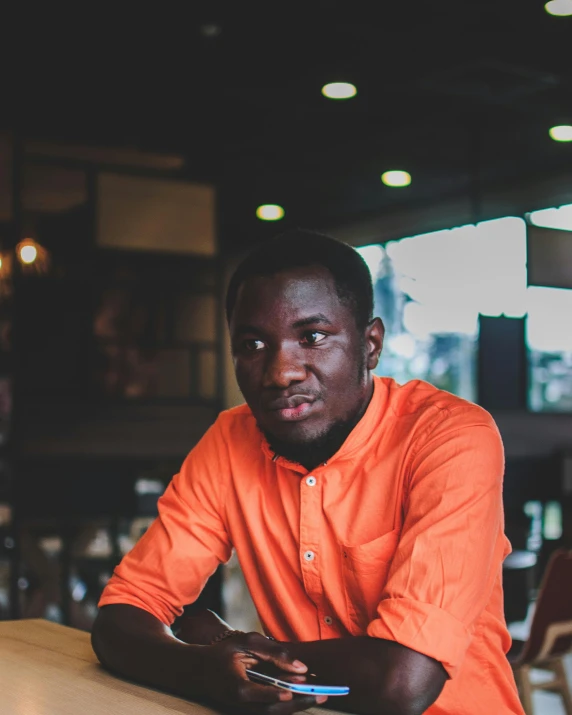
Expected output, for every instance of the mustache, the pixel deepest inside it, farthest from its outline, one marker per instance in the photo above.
(283, 400)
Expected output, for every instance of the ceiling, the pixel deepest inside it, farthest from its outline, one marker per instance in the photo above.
(459, 94)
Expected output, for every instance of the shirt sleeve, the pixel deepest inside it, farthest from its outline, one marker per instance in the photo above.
(452, 543)
(171, 563)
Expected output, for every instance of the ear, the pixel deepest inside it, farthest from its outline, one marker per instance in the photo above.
(374, 335)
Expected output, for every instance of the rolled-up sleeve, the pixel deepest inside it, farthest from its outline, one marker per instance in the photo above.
(169, 566)
(452, 543)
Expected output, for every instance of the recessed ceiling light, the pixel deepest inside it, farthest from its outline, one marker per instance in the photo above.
(561, 133)
(396, 178)
(270, 212)
(339, 90)
(560, 8)
(28, 253)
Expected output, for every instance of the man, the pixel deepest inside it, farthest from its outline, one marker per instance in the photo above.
(366, 516)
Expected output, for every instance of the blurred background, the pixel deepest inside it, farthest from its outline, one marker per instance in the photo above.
(144, 151)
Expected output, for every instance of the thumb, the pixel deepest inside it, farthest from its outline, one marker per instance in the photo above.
(281, 658)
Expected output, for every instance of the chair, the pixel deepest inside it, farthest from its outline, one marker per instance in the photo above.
(550, 637)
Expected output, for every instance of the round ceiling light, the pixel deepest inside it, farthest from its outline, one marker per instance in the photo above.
(561, 133)
(396, 178)
(559, 8)
(270, 212)
(28, 253)
(339, 90)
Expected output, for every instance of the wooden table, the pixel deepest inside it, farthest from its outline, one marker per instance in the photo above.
(48, 669)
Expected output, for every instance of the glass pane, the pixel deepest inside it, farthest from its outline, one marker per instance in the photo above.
(549, 343)
(430, 290)
(553, 218)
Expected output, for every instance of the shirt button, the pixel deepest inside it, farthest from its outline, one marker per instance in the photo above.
(311, 481)
(328, 621)
(309, 555)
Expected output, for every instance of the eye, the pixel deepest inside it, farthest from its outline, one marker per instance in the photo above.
(253, 345)
(312, 337)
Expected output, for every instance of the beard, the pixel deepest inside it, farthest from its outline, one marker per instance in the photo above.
(318, 450)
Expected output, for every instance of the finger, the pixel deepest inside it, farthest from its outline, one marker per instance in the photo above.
(249, 692)
(273, 652)
(295, 705)
(285, 662)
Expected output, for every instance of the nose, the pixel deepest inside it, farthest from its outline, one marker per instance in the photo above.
(283, 367)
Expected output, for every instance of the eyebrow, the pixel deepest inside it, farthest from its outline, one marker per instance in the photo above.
(310, 320)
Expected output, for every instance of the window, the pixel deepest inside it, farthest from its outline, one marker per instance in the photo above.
(430, 289)
(549, 331)
(549, 346)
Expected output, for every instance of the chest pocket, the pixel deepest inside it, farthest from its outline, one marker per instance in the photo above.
(365, 569)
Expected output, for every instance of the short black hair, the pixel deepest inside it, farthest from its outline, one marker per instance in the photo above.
(299, 248)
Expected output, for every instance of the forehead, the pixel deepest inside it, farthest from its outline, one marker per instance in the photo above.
(287, 297)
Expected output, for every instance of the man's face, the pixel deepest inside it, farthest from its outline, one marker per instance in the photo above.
(301, 362)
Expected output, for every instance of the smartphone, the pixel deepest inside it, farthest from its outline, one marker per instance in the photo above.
(310, 686)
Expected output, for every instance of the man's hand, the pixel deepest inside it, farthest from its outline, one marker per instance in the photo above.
(226, 681)
(133, 643)
(200, 628)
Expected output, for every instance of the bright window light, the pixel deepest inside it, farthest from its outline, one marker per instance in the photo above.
(561, 133)
(396, 178)
(402, 345)
(425, 320)
(560, 218)
(548, 309)
(339, 90)
(559, 8)
(430, 290)
(549, 343)
(270, 212)
(483, 266)
(373, 256)
(552, 526)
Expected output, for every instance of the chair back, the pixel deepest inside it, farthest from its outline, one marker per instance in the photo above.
(551, 628)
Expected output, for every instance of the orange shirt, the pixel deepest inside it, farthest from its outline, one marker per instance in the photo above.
(398, 536)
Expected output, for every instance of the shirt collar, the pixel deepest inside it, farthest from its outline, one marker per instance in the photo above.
(355, 440)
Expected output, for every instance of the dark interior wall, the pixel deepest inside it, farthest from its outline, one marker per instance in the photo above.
(527, 434)
(56, 361)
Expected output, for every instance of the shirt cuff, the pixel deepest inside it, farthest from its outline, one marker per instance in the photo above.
(162, 612)
(424, 628)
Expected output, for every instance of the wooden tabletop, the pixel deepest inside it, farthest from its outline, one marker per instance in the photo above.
(48, 669)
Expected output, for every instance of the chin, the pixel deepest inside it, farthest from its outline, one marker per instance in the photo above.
(294, 432)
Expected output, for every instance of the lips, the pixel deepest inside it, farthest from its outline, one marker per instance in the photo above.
(286, 403)
(291, 409)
